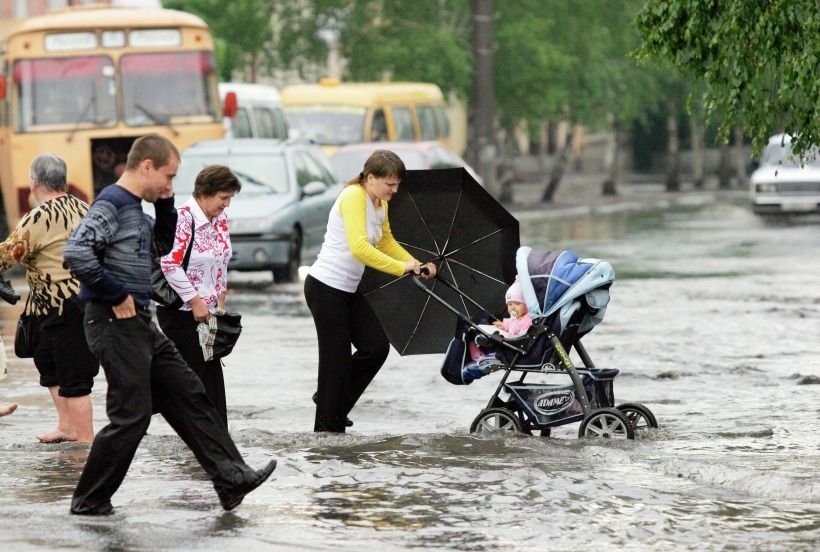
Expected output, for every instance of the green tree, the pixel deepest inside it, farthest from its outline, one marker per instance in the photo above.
(758, 61)
(241, 30)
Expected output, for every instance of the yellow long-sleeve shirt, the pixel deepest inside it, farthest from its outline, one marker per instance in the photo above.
(358, 235)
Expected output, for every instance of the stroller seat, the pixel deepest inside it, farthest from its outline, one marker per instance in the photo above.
(562, 292)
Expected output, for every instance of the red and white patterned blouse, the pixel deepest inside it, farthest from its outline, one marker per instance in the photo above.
(207, 273)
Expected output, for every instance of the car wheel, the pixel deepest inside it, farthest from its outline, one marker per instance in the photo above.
(290, 271)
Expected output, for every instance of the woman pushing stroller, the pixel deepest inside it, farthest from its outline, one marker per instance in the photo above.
(358, 235)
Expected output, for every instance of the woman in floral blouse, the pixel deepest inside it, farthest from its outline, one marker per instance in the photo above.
(203, 284)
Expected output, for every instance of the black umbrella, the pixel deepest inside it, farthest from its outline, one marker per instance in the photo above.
(445, 216)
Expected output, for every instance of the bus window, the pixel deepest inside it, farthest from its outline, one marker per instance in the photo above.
(65, 91)
(378, 127)
(427, 122)
(443, 122)
(157, 87)
(404, 123)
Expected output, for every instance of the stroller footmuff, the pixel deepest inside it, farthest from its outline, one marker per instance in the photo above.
(567, 297)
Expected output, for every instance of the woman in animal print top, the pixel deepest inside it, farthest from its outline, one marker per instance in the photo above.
(67, 368)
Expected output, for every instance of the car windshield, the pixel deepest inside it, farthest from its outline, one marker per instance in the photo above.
(349, 163)
(328, 125)
(775, 154)
(259, 174)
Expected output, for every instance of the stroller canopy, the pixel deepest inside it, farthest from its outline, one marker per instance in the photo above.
(552, 282)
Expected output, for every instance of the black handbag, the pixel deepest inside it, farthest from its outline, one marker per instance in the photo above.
(27, 336)
(162, 292)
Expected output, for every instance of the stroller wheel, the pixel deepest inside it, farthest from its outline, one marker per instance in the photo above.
(496, 419)
(638, 415)
(609, 423)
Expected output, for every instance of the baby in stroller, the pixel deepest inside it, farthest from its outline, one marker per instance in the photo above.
(519, 321)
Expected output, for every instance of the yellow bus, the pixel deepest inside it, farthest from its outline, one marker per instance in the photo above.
(334, 113)
(84, 82)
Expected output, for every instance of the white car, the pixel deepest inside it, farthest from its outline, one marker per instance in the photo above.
(278, 220)
(349, 159)
(780, 185)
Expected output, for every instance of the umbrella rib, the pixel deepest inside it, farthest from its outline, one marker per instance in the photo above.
(439, 249)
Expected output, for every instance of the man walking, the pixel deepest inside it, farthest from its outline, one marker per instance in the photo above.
(110, 253)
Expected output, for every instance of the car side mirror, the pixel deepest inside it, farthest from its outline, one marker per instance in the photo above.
(314, 188)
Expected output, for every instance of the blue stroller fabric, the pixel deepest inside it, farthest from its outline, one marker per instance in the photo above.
(552, 283)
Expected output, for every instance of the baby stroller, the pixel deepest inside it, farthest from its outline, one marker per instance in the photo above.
(566, 297)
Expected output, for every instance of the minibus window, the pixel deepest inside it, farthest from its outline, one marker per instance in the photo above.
(404, 123)
(427, 122)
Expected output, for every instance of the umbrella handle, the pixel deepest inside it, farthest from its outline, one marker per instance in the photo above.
(424, 270)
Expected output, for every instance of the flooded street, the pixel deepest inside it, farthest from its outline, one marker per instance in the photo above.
(714, 323)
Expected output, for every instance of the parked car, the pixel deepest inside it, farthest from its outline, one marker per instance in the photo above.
(780, 185)
(349, 159)
(278, 220)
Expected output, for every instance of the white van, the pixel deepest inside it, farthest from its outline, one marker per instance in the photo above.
(259, 111)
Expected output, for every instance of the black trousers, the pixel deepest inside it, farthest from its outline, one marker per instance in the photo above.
(180, 327)
(343, 319)
(144, 370)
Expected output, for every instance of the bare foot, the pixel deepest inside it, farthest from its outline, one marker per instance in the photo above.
(56, 436)
(6, 410)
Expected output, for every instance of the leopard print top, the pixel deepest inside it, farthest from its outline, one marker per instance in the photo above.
(37, 243)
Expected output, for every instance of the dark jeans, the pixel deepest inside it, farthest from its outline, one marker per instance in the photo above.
(144, 369)
(180, 327)
(62, 358)
(343, 319)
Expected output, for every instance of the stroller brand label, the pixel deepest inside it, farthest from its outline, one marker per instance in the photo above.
(550, 404)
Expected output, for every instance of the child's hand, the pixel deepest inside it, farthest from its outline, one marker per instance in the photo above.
(498, 324)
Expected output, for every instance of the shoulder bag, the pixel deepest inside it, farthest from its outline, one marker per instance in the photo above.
(27, 336)
(163, 293)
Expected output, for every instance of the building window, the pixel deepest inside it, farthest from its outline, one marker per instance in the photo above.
(20, 9)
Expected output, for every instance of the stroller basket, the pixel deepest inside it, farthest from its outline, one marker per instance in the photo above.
(558, 404)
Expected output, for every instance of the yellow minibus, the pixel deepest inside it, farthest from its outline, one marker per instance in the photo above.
(333, 113)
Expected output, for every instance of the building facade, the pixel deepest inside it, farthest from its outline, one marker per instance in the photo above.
(20, 9)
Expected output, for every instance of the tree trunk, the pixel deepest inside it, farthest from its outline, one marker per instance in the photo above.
(559, 168)
(611, 161)
(724, 178)
(673, 151)
(739, 157)
(698, 151)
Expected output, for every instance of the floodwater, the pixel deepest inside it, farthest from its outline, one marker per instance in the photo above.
(713, 321)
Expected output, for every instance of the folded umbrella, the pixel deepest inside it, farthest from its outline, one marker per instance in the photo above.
(219, 334)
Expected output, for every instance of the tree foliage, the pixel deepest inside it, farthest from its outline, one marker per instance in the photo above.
(241, 29)
(758, 60)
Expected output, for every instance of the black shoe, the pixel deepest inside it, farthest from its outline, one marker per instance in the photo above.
(7, 292)
(348, 421)
(232, 497)
(104, 510)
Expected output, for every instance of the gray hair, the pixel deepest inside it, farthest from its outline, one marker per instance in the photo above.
(49, 171)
